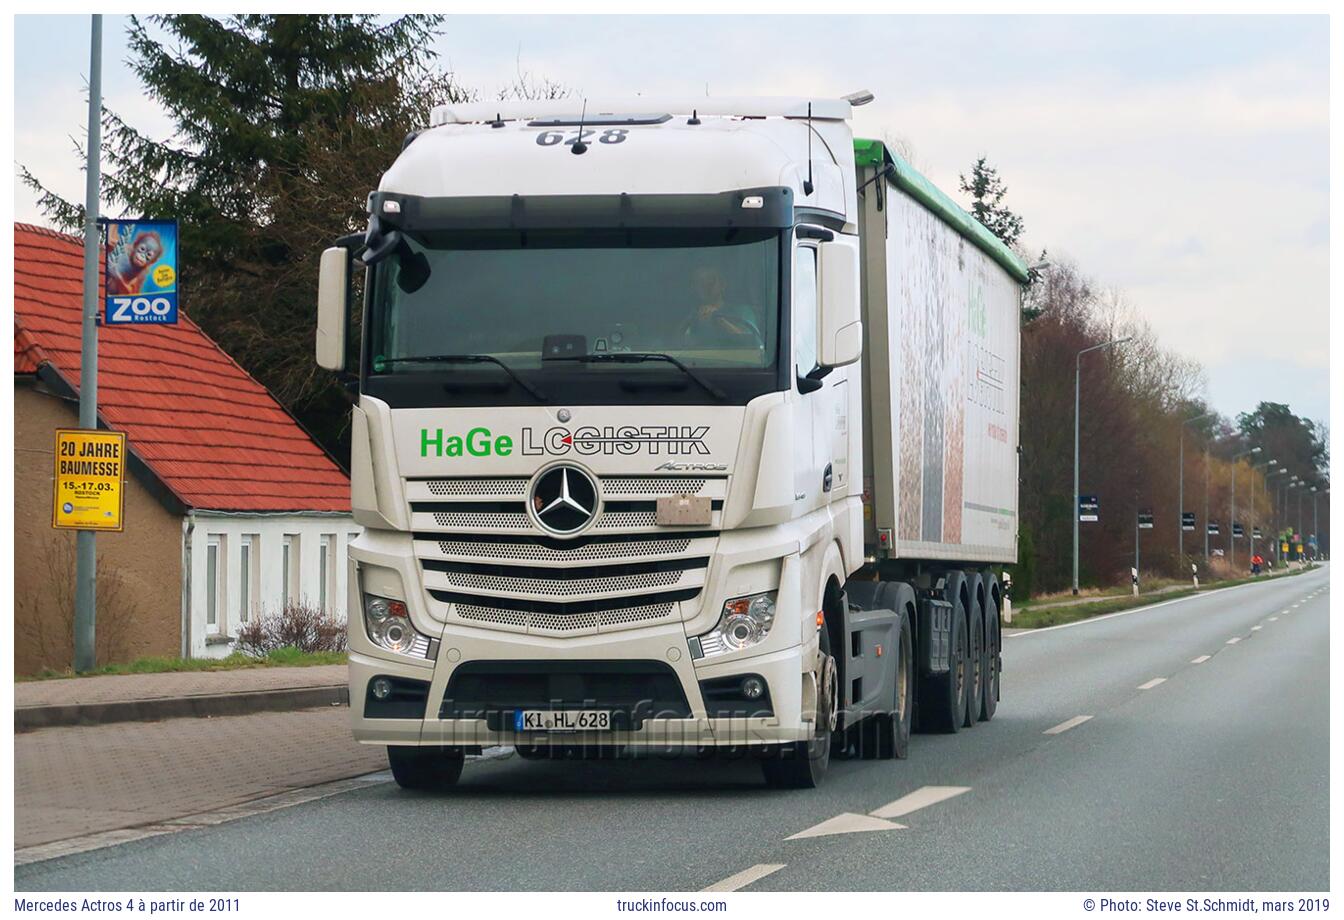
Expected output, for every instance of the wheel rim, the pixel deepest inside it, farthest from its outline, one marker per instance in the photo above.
(961, 666)
(903, 680)
(830, 702)
(977, 673)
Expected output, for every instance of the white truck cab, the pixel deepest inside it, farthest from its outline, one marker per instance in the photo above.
(612, 434)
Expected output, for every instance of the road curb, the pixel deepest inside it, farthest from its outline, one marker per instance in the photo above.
(31, 718)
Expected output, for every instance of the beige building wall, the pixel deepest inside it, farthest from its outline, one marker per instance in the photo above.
(139, 570)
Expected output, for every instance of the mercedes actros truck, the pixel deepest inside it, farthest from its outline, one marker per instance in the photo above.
(681, 424)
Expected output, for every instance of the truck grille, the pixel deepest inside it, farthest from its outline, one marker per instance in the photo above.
(481, 556)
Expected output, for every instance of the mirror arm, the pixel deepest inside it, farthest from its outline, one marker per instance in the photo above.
(808, 384)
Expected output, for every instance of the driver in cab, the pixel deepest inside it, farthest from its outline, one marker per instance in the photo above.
(715, 323)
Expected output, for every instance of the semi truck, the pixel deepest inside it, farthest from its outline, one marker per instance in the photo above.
(680, 425)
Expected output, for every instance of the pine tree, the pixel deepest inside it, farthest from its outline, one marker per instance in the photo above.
(987, 192)
(283, 124)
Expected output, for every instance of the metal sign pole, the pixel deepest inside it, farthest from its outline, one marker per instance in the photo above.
(86, 563)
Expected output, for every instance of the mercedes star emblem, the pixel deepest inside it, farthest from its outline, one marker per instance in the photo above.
(564, 500)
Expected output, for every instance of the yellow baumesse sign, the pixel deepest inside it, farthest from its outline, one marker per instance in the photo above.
(90, 472)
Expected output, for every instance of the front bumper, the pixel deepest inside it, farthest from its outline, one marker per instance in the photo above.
(661, 649)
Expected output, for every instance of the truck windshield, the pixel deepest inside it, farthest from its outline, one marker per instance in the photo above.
(707, 298)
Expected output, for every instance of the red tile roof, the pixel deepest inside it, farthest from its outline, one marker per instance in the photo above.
(213, 435)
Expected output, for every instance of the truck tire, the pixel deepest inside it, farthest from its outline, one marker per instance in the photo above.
(802, 764)
(886, 736)
(942, 700)
(976, 664)
(425, 768)
(989, 702)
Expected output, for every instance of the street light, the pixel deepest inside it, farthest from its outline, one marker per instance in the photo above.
(1254, 513)
(1180, 495)
(1294, 484)
(1267, 475)
(1232, 521)
(1316, 518)
(1077, 401)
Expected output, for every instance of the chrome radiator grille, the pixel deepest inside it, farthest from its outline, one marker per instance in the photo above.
(483, 558)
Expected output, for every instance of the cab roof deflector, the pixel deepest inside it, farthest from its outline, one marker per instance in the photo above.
(639, 106)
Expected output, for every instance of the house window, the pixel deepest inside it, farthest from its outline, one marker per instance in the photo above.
(327, 571)
(289, 572)
(247, 576)
(214, 584)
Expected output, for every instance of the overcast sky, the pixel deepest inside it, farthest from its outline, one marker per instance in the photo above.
(1181, 159)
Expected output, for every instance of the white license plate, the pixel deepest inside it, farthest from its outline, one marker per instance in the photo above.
(562, 720)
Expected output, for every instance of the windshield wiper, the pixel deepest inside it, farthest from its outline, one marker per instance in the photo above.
(637, 357)
(472, 359)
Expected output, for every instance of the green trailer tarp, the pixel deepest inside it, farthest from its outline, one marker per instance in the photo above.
(909, 180)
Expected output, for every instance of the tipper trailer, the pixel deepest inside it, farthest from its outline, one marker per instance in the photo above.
(681, 423)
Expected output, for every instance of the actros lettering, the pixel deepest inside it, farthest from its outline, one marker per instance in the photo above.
(655, 440)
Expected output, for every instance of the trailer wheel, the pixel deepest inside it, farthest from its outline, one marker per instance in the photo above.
(943, 700)
(989, 702)
(426, 768)
(802, 764)
(976, 665)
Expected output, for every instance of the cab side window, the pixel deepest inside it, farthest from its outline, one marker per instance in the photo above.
(805, 309)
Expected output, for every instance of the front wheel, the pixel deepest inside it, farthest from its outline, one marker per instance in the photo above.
(425, 768)
(802, 764)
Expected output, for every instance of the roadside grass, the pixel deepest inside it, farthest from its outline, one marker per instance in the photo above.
(1027, 618)
(287, 657)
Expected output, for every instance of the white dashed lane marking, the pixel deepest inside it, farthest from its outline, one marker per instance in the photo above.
(745, 877)
(1065, 726)
(879, 819)
(1256, 628)
(847, 823)
(1234, 640)
(1152, 683)
(1201, 659)
(920, 798)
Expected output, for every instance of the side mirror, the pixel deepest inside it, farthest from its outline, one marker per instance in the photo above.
(839, 323)
(333, 307)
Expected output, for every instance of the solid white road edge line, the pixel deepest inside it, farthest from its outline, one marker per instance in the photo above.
(922, 797)
(745, 877)
(1143, 609)
(1152, 683)
(1066, 725)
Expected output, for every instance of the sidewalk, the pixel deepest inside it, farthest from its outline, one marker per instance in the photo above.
(150, 697)
(70, 782)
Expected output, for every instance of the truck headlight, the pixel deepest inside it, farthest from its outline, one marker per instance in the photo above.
(744, 622)
(388, 624)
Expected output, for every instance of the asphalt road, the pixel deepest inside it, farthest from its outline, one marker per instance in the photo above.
(1190, 773)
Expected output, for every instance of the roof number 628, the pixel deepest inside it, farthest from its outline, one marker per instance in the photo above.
(609, 136)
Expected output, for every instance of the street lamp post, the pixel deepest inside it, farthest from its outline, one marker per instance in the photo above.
(1180, 494)
(1294, 484)
(1264, 465)
(1232, 521)
(1316, 518)
(1206, 507)
(1077, 403)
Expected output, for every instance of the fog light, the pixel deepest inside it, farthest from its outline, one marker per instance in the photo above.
(382, 688)
(753, 688)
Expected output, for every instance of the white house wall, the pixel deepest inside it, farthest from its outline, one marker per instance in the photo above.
(268, 532)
